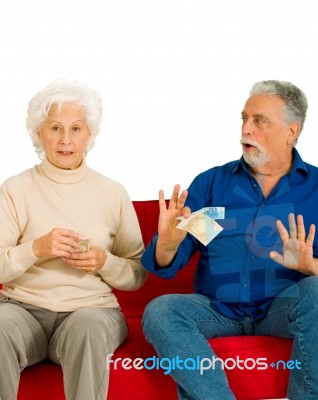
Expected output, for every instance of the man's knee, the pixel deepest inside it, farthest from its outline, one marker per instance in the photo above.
(308, 288)
(161, 312)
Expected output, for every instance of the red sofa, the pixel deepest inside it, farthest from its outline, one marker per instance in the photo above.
(44, 380)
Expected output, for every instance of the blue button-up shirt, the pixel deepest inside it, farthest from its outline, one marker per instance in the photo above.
(235, 270)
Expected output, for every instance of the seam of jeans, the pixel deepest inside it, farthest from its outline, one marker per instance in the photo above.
(301, 341)
(233, 324)
(304, 354)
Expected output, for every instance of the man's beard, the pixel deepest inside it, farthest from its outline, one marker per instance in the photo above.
(258, 156)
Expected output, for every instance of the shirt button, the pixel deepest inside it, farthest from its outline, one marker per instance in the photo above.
(255, 185)
(245, 285)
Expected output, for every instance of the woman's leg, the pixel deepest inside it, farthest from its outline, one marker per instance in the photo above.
(23, 342)
(81, 344)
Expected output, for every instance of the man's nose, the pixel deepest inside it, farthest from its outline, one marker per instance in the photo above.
(247, 127)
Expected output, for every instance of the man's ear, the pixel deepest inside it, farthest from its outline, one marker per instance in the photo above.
(293, 132)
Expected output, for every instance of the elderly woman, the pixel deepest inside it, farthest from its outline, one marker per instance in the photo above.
(57, 299)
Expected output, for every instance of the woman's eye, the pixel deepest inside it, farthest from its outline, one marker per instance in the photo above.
(55, 129)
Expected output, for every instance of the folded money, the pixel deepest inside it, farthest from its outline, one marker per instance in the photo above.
(84, 246)
(201, 223)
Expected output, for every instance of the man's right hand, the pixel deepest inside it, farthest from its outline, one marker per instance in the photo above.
(169, 236)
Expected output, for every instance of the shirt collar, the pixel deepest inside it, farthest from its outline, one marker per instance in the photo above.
(298, 164)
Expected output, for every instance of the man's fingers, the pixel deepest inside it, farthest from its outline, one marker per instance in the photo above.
(301, 233)
(182, 199)
(276, 257)
(174, 197)
(282, 231)
(311, 235)
(162, 201)
(292, 226)
(186, 212)
(176, 202)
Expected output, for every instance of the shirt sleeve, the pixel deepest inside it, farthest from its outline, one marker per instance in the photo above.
(185, 251)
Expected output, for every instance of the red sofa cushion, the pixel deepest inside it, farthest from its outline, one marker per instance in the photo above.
(45, 381)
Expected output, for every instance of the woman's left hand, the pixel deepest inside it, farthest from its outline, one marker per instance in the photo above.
(89, 261)
(297, 248)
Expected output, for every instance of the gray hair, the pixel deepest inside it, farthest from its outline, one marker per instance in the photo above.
(294, 98)
(58, 93)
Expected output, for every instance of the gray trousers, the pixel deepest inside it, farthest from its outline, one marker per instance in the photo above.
(79, 341)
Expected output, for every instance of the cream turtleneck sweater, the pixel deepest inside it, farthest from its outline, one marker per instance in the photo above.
(46, 197)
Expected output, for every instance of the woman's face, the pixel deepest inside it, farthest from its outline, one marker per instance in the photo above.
(64, 136)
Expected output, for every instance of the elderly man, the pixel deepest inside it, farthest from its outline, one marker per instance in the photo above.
(259, 274)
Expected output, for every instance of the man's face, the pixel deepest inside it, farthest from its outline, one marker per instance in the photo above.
(265, 135)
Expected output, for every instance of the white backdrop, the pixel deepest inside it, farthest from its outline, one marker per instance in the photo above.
(173, 75)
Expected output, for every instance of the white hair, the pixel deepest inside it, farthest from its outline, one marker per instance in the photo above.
(58, 93)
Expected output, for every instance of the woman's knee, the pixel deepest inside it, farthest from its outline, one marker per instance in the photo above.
(100, 329)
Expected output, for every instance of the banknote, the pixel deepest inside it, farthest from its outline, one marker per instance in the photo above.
(202, 225)
(213, 212)
(84, 246)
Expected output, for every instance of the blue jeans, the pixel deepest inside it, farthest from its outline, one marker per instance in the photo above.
(178, 327)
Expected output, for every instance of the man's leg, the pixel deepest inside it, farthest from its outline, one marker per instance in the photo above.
(81, 344)
(294, 314)
(22, 342)
(178, 327)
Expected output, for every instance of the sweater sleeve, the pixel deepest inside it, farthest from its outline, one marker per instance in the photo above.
(15, 257)
(123, 269)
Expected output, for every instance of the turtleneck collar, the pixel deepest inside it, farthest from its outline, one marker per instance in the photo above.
(64, 176)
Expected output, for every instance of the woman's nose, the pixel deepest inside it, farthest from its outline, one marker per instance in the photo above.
(66, 138)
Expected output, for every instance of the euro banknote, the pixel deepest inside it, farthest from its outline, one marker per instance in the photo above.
(202, 225)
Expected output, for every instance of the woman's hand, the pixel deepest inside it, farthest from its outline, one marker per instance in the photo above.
(169, 236)
(298, 250)
(57, 243)
(89, 261)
